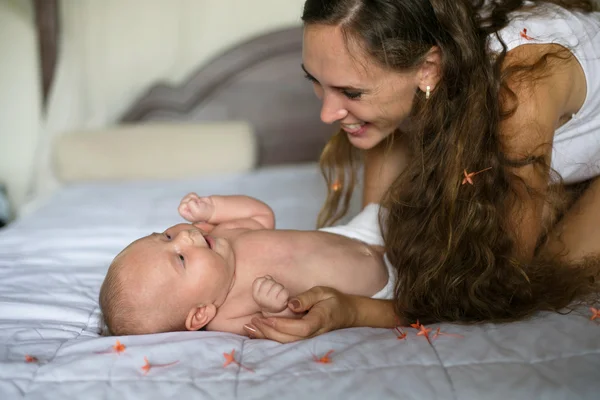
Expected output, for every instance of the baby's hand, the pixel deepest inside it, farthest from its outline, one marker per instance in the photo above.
(270, 295)
(196, 209)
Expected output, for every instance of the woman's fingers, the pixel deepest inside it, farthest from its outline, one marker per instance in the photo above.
(326, 310)
(306, 300)
(308, 326)
(267, 331)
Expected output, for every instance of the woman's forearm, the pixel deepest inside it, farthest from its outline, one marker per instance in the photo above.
(374, 313)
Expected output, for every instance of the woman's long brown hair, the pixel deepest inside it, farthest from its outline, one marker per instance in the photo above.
(455, 255)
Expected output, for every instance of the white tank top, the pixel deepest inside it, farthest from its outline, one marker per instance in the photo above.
(576, 150)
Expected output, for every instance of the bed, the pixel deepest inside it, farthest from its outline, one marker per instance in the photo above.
(53, 261)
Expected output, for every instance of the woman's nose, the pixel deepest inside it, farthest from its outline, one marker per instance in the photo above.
(332, 109)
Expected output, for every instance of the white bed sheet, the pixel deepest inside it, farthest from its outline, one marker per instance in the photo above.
(53, 261)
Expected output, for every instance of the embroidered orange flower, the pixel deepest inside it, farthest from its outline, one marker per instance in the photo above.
(440, 333)
(416, 325)
(230, 359)
(30, 359)
(400, 334)
(423, 331)
(469, 176)
(325, 359)
(524, 34)
(147, 366)
(117, 348)
(595, 313)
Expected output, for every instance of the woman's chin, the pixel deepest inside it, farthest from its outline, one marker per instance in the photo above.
(364, 142)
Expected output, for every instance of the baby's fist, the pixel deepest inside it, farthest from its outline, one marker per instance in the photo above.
(270, 295)
(196, 209)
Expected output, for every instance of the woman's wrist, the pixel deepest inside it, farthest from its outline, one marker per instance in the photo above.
(373, 313)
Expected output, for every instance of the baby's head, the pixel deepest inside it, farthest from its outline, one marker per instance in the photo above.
(166, 282)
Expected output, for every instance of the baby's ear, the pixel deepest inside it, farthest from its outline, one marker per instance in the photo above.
(199, 316)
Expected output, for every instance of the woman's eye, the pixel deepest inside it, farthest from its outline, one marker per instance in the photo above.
(352, 95)
(181, 258)
(310, 78)
(167, 236)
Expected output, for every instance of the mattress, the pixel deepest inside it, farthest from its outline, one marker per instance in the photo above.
(53, 261)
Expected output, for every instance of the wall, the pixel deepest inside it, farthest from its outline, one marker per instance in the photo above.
(19, 96)
(111, 51)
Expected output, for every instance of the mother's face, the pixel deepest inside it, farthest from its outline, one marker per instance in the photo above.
(369, 101)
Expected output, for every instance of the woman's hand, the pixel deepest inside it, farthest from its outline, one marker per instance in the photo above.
(327, 308)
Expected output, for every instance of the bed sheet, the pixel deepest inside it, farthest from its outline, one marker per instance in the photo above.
(52, 263)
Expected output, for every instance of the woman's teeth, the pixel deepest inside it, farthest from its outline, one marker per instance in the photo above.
(354, 129)
(354, 126)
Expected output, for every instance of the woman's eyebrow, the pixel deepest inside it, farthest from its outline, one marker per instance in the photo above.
(348, 88)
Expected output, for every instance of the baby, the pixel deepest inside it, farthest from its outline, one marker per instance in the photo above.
(231, 265)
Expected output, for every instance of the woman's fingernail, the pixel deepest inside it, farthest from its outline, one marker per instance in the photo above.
(295, 303)
(250, 328)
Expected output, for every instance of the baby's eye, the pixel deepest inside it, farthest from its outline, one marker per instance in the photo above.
(167, 236)
(181, 257)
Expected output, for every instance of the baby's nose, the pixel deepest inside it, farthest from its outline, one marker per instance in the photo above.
(194, 235)
(185, 236)
(194, 232)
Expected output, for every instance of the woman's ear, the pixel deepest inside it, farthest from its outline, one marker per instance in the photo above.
(430, 71)
(199, 316)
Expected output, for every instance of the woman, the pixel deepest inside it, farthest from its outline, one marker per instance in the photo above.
(478, 125)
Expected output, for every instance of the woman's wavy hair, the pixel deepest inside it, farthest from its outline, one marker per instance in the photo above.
(454, 252)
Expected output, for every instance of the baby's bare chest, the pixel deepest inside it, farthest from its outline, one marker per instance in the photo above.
(299, 259)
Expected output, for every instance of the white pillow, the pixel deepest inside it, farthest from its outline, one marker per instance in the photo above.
(155, 151)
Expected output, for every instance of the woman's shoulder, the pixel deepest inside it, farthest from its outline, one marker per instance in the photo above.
(547, 23)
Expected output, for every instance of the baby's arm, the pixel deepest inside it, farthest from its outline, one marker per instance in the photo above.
(219, 209)
(269, 295)
(232, 325)
(272, 298)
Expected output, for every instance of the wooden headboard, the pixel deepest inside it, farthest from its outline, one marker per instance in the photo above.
(259, 81)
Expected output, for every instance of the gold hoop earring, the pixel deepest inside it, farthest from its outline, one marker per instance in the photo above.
(428, 92)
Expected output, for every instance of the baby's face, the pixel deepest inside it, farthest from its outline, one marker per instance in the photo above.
(180, 267)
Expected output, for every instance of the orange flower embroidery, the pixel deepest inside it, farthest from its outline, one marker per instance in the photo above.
(147, 366)
(230, 359)
(439, 333)
(30, 359)
(469, 176)
(400, 334)
(524, 34)
(117, 348)
(595, 313)
(423, 331)
(416, 325)
(325, 359)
